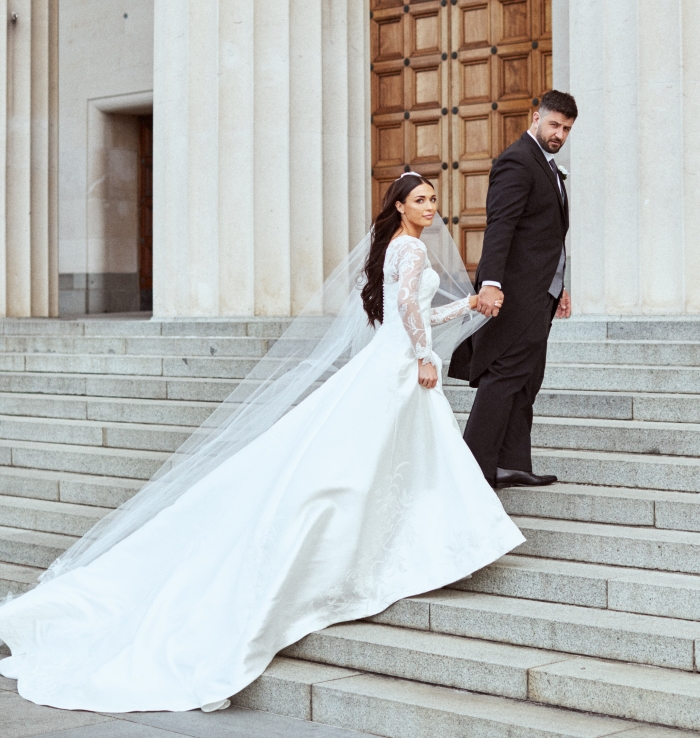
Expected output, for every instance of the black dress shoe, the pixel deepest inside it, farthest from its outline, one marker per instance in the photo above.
(518, 478)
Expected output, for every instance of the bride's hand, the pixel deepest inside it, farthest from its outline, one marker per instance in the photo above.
(427, 375)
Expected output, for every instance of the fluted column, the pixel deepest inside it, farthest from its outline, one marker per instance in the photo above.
(635, 71)
(28, 187)
(691, 154)
(261, 151)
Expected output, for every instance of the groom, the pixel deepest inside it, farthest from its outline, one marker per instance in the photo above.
(523, 259)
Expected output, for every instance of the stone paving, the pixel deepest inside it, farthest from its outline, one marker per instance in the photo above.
(22, 719)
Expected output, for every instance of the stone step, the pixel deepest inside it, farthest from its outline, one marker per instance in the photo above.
(616, 545)
(616, 436)
(99, 364)
(26, 394)
(50, 517)
(649, 353)
(642, 471)
(589, 585)
(32, 548)
(120, 387)
(622, 378)
(142, 436)
(661, 696)
(16, 579)
(136, 346)
(106, 462)
(142, 326)
(116, 409)
(614, 505)
(159, 366)
(602, 435)
(607, 634)
(81, 489)
(401, 708)
(669, 408)
(423, 656)
(627, 327)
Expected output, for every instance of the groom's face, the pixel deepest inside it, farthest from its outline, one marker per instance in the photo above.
(551, 130)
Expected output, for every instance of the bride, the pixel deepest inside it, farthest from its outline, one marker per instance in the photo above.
(298, 505)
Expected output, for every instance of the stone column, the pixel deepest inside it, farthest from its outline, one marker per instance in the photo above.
(635, 71)
(261, 151)
(691, 154)
(28, 189)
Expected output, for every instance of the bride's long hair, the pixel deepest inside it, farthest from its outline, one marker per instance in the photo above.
(384, 227)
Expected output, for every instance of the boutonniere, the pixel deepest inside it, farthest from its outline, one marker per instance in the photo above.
(563, 171)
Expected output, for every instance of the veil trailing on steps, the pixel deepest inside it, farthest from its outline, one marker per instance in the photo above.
(331, 329)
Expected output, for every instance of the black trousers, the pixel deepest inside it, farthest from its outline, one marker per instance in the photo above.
(500, 422)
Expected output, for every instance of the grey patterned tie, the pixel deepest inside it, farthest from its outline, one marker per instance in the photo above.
(558, 282)
(553, 166)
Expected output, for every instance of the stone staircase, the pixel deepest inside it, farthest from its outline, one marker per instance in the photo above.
(591, 628)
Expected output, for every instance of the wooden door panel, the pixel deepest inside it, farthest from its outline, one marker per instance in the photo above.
(475, 137)
(474, 26)
(475, 80)
(388, 92)
(472, 244)
(453, 85)
(381, 4)
(424, 87)
(426, 141)
(511, 128)
(474, 187)
(388, 39)
(544, 18)
(514, 22)
(425, 34)
(514, 76)
(389, 145)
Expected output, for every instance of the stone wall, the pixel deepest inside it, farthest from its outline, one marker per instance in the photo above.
(105, 81)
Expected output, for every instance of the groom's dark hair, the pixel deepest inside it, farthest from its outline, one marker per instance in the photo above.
(558, 102)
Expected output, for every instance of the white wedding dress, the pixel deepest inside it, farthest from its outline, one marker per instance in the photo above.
(362, 494)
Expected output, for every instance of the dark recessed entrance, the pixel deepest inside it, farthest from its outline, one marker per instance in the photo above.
(146, 212)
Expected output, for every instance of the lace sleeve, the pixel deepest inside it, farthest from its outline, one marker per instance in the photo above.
(452, 310)
(412, 259)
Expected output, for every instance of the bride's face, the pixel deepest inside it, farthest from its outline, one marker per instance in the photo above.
(420, 206)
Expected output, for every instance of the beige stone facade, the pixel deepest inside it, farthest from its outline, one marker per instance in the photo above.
(262, 153)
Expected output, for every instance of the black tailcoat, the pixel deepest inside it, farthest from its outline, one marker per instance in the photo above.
(526, 223)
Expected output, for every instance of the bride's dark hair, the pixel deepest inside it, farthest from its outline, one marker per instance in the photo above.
(385, 225)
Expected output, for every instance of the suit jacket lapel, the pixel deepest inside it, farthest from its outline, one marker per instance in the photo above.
(566, 204)
(541, 159)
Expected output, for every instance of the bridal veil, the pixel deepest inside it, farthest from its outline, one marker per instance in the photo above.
(330, 330)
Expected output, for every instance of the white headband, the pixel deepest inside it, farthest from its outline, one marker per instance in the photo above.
(406, 174)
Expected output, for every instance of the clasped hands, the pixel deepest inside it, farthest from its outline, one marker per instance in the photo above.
(490, 301)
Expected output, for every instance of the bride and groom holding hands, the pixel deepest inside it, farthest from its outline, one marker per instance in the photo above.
(304, 504)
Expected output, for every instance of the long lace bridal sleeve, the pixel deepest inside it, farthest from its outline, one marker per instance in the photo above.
(410, 260)
(451, 311)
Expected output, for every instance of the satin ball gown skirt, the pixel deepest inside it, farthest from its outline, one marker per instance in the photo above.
(361, 495)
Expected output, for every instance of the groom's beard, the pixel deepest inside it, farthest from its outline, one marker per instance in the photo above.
(546, 144)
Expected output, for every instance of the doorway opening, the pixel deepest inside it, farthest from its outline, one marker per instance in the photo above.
(145, 198)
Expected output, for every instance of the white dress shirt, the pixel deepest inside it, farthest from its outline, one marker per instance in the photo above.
(549, 158)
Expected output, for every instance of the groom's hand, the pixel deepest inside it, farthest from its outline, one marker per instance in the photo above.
(490, 301)
(564, 306)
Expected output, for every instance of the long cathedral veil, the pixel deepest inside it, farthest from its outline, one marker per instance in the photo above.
(331, 329)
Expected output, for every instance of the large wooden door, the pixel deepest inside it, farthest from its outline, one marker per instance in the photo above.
(454, 82)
